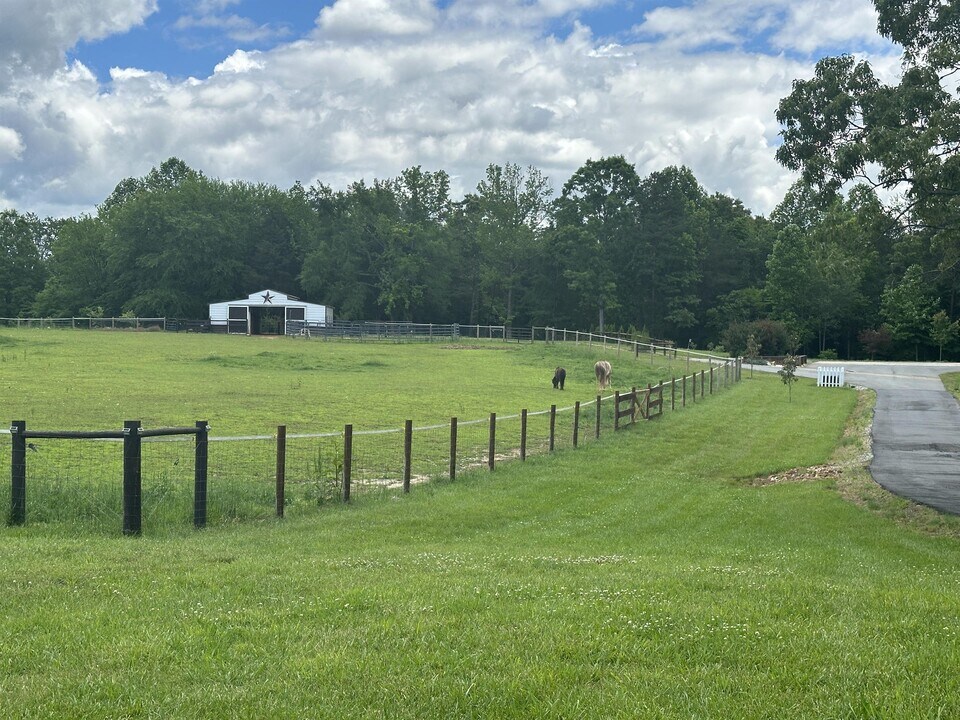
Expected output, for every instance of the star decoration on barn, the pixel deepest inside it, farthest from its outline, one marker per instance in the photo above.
(267, 297)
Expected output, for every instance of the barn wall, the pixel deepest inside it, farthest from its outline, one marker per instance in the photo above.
(313, 314)
(218, 313)
(316, 314)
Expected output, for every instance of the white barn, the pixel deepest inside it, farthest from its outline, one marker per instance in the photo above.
(267, 312)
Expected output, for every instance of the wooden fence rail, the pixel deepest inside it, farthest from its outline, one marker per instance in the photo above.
(351, 469)
(132, 436)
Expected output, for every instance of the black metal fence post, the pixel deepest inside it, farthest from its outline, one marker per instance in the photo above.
(201, 450)
(132, 508)
(18, 473)
(453, 448)
(347, 460)
(407, 454)
(281, 475)
(576, 422)
(523, 434)
(492, 450)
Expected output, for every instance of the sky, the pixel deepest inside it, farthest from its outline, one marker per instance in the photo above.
(336, 91)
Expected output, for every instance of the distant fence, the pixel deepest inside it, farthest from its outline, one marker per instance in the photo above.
(87, 323)
(157, 480)
(350, 330)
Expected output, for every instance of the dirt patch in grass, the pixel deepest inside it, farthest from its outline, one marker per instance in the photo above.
(807, 474)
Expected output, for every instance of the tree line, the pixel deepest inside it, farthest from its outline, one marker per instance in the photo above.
(833, 271)
(653, 256)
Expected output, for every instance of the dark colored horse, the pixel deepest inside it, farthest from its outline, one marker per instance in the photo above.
(559, 376)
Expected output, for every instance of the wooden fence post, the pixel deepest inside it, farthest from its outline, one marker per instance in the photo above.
(18, 473)
(201, 454)
(576, 422)
(453, 448)
(598, 418)
(347, 460)
(132, 498)
(616, 410)
(523, 434)
(492, 449)
(703, 385)
(683, 392)
(673, 393)
(281, 468)
(711, 379)
(553, 425)
(407, 453)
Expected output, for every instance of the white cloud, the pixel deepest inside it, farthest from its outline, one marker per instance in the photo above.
(11, 144)
(518, 13)
(240, 62)
(353, 18)
(210, 7)
(804, 27)
(381, 86)
(234, 27)
(818, 24)
(35, 34)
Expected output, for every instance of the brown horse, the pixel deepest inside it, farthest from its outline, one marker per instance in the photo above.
(603, 370)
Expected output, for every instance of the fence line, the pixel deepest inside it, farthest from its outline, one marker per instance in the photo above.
(260, 476)
(374, 330)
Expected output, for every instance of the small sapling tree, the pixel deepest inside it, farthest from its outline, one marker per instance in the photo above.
(753, 351)
(942, 331)
(787, 373)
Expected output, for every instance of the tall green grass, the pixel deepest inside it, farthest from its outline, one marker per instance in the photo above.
(247, 386)
(648, 575)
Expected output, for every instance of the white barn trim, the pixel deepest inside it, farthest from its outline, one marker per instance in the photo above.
(267, 312)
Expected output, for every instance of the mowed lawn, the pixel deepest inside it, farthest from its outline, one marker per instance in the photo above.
(652, 574)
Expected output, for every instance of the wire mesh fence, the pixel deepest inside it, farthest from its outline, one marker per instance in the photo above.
(80, 482)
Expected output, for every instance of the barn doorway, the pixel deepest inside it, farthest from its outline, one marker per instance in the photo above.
(267, 321)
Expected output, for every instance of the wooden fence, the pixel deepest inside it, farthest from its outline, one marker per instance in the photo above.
(309, 469)
(132, 436)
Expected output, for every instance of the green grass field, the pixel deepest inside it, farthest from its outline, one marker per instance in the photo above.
(657, 573)
(80, 380)
(246, 386)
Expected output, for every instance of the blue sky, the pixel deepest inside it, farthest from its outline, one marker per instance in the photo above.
(337, 91)
(183, 40)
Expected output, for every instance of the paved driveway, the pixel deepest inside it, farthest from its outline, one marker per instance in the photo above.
(916, 429)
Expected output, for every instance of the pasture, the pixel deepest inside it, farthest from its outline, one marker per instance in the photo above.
(662, 572)
(245, 387)
(63, 379)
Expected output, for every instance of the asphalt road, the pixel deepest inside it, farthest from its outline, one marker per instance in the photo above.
(916, 429)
